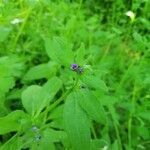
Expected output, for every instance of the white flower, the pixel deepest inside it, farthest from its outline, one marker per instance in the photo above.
(105, 148)
(16, 21)
(131, 15)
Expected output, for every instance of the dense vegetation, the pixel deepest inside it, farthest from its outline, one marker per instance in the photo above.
(74, 75)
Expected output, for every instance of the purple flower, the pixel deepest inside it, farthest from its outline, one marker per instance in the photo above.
(74, 67)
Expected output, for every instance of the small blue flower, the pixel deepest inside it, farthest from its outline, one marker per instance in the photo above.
(74, 67)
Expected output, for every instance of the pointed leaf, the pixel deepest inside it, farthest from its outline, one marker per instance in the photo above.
(76, 124)
(95, 82)
(40, 71)
(92, 106)
(52, 86)
(59, 50)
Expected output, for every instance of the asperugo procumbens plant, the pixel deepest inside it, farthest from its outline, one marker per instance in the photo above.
(62, 110)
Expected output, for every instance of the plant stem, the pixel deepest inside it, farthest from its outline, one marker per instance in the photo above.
(3, 146)
(52, 106)
(112, 111)
(93, 131)
(130, 118)
(21, 29)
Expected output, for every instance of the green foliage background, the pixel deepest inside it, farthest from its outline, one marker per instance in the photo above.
(44, 104)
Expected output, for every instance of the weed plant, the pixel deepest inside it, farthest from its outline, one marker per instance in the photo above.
(74, 75)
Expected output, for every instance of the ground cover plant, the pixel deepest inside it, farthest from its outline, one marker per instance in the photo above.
(74, 75)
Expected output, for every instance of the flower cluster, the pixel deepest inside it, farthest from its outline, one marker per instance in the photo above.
(77, 68)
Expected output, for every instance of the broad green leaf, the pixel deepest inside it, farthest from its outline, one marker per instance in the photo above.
(43, 145)
(76, 124)
(34, 99)
(94, 82)
(59, 50)
(11, 66)
(41, 71)
(80, 54)
(54, 135)
(6, 83)
(105, 100)
(12, 122)
(6, 79)
(92, 106)
(57, 112)
(47, 140)
(52, 86)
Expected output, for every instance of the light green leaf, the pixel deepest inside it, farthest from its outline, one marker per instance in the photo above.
(6, 79)
(34, 99)
(94, 82)
(12, 122)
(80, 54)
(92, 106)
(57, 112)
(41, 71)
(54, 136)
(52, 86)
(59, 50)
(6, 83)
(76, 124)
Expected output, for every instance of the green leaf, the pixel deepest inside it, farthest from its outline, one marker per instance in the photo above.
(76, 124)
(80, 54)
(52, 86)
(59, 50)
(57, 112)
(41, 71)
(92, 106)
(55, 136)
(94, 82)
(6, 79)
(6, 83)
(12, 122)
(34, 99)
